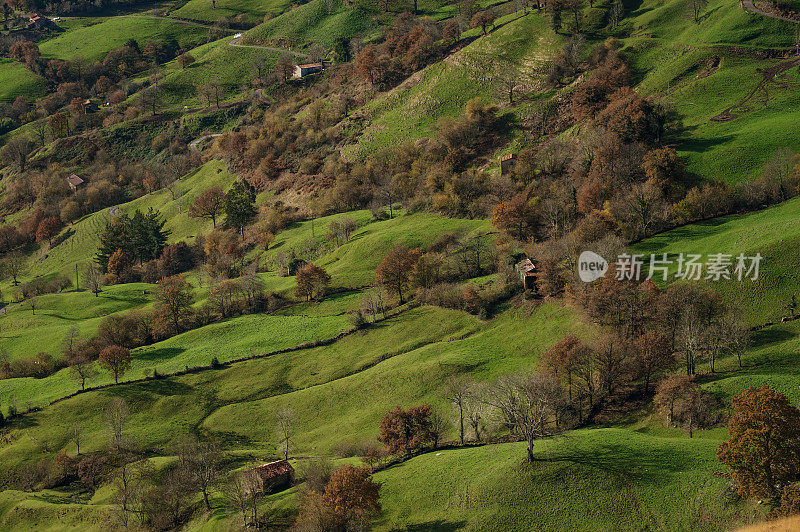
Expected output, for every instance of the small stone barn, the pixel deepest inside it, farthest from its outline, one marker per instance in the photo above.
(74, 182)
(507, 162)
(301, 71)
(274, 476)
(528, 273)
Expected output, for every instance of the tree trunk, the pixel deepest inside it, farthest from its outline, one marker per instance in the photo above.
(461, 421)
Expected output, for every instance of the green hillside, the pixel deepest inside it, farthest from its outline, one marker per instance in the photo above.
(772, 232)
(16, 80)
(411, 110)
(94, 40)
(606, 479)
(83, 236)
(390, 252)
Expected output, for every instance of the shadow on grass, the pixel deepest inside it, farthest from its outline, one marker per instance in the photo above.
(643, 464)
(439, 525)
(159, 354)
(701, 145)
(143, 392)
(686, 233)
(772, 335)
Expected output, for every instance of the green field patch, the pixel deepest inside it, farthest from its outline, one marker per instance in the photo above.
(606, 479)
(231, 66)
(311, 23)
(84, 235)
(16, 80)
(95, 40)
(253, 11)
(351, 407)
(411, 110)
(773, 232)
(353, 263)
(24, 333)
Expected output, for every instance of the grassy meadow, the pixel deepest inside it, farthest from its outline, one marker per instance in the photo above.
(95, 39)
(16, 80)
(633, 475)
(773, 232)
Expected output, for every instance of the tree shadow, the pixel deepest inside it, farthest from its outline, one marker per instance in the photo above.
(159, 354)
(700, 145)
(646, 465)
(771, 335)
(438, 525)
(143, 392)
(707, 14)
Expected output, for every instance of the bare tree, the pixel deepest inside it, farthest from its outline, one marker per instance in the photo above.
(202, 461)
(116, 415)
(13, 265)
(532, 405)
(82, 368)
(70, 341)
(252, 487)
(694, 8)
(212, 91)
(76, 435)
(93, 278)
(236, 495)
(438, 426)
(474, 407)
(284, 426)
(285, 66)
(457, 393)
(152, 98)
(617, 12)
(130, 484)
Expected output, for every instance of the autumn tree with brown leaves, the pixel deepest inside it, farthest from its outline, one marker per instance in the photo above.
(482, 19)
(565, 358)
(352, 496)
(174, 295)
(284, 68)
(349, 500)
(653, 354)
(763, 448)
(394, 271)
(116, 359)
(518, 216)
(47, 229)
(210, 204)
(406, 431)
(312, 282)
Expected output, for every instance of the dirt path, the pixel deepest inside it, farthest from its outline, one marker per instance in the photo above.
(179, 21)
(194, 145)
(769, 76)
(234, 42)
(749, 5)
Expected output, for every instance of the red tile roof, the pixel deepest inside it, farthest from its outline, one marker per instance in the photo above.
(74, 180)
(274, 469)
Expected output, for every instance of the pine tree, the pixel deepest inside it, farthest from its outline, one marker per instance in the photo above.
(141, 236)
